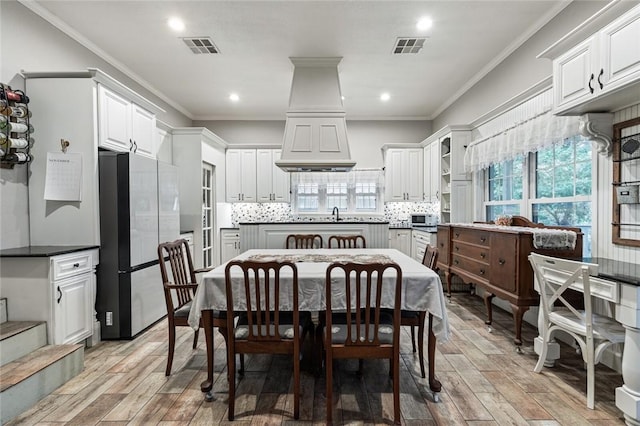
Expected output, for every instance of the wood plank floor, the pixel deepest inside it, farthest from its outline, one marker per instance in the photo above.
(484, 381)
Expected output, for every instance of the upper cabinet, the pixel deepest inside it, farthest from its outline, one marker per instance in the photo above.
(432, 172)
(252, 176)
(124, 125)
(273, 183)
(241, 175)
(596, 67)
(404, 168)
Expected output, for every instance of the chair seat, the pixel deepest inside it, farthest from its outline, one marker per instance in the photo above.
(285, 328)
(183, 312)
(604, 328)
(339, 329)
(409, 314)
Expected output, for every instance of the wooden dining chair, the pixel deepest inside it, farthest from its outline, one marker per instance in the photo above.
(594, 333)
(304, 241)
(179, 289)
(415, 319)
(265, 329)
(347, 241)
(365, 330)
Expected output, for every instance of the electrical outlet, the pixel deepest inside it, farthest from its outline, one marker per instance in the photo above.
(109, 318)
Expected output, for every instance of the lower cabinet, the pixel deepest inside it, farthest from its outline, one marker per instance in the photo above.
(400, 239)
(57, 289)
(229, 243)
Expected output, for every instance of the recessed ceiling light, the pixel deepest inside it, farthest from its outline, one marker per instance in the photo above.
(424, 23)
(234, 97)
(175, 24)
(385, 97)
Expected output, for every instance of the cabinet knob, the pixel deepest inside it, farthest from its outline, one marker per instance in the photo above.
(483, 255)
(457, 248)
(481, 271)
(457, 234)
(501, 261)
(456, 261)
(590, 86)
(76, 265)
(600, 78)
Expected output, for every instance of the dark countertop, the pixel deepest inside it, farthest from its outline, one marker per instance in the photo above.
(313, 222)
(43, 251)
(616, 270)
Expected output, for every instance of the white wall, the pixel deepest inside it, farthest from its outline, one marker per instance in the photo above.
(519, 71)
(28, 42)
(365, 137)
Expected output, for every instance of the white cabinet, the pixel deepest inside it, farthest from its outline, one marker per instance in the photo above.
(58, 289)
(400, 239)
(419, 242)
(199, 155)
(229, 243)
(95, 113)
(432, 172)
(453, 178)
(591, 74)
(272, 182)
(124, 125)
(241, 175)
(404, 179)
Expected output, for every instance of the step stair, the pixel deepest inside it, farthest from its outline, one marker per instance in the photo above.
(31, 369)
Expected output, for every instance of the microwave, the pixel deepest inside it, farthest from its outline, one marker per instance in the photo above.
(424, 220)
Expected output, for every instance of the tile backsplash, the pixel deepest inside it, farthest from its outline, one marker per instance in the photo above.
(394, 213)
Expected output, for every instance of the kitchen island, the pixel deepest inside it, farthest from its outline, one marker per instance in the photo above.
(273, 235)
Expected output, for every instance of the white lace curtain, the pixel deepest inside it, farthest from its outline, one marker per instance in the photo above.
(351, 178)
(534, 128)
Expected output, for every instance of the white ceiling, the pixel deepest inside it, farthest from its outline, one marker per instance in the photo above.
(256, 38)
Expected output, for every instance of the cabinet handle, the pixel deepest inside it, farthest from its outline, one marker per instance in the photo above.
(456, 261)
(130, 144)
(481, 271)
(599, 78)
(76, 265)
(501, 261)
(483, 255)
(437, 195)
(135, 147)
(239, 199)
(59, 295)
(590, 86)
(457, 248)
(483, 239)
(457, 234)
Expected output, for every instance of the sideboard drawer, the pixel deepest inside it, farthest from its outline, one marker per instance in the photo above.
(473, 236)
(478, 253)
(480, 270)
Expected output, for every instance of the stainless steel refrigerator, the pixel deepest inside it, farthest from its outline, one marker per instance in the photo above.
(138, 209)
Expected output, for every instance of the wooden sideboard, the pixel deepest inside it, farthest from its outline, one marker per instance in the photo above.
(496, 259)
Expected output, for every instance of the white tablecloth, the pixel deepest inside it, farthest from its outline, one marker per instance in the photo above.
(421, 287)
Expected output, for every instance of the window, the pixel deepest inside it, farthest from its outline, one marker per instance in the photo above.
(558, 190)
(505, 188)
(358, 191)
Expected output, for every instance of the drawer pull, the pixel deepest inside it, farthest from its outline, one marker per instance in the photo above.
(501, 261)
(76, 265)
(457, 234)
(483, 239)
(59, 295)
(457, 248)
(456, 261)
(481, 271)
(483, 255)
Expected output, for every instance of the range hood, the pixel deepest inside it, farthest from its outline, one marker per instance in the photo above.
(315, 134)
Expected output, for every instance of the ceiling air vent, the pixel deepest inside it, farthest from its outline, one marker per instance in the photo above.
(408, 45)
(200, 45)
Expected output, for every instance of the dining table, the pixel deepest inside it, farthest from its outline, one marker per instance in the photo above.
(421, 291)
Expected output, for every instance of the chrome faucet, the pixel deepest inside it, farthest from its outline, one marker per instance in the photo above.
(336, 212)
